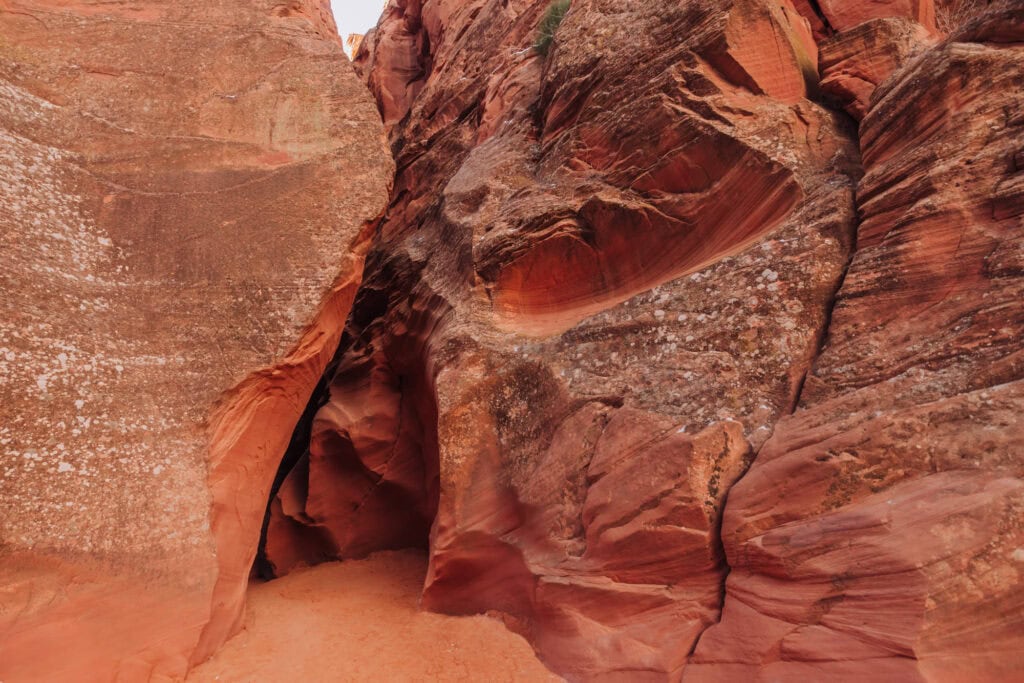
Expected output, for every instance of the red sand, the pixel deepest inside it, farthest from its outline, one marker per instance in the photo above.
(359, 621)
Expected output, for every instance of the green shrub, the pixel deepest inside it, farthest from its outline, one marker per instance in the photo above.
(549, 24)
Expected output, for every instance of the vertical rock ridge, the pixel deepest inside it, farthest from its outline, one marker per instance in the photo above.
(821, 341)
(903, 483)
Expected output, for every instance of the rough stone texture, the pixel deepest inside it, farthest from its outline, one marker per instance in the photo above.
(952, 14)
(827, 17)
(609, 280)
(809, 10)
(855, 62)
(845, 14)
(183, 215)
(600, 283)
(878, 535)
(394, 58)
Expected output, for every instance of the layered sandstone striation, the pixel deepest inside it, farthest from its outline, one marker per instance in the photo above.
(183, 218)
(878, 533)
(690, 348)
(855, 62)
(842, 15)
(601, 280)
(601, 292)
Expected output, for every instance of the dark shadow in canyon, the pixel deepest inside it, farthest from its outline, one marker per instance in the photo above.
(361, 473)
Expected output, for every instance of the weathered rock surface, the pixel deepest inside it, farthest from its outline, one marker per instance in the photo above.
(604, 278)
(183, 216)
(841, 15)
(665, 359)
(950, 15)
(394, 58)
(600, 283)
(828, 17)
(878, 534)
(855, 62)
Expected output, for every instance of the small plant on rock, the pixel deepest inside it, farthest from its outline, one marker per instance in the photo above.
(548, 25)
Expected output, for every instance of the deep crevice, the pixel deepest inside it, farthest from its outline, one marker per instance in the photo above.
(298, 447)
(371, 481)
(821, 342)
(816, 8)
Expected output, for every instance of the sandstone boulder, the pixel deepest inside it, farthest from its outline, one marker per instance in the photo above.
(184, 208)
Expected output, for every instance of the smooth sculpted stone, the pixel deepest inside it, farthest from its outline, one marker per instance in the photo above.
(602, 278)
(184, 208)
(878, 535)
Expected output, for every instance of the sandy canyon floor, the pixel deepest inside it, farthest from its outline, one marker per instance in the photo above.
(359, 621)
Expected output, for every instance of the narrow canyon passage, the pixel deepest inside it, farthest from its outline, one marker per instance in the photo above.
(359, 620)
(605, 339)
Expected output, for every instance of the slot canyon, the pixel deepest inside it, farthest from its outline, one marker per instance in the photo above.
(602, 340)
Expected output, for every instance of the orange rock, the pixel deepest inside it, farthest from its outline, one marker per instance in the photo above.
(394, 58)
(855, 62)
(877, 535)
(810, 11)
(773, 46)
(601, 280)
(660, 360)
(845, 14)
(183, 218)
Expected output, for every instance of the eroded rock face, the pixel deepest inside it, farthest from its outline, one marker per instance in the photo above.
(841, 15)
(601, 281)
(855, 62)
(183, 219)
(663, 360)
(604, 279)
(878, 533)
